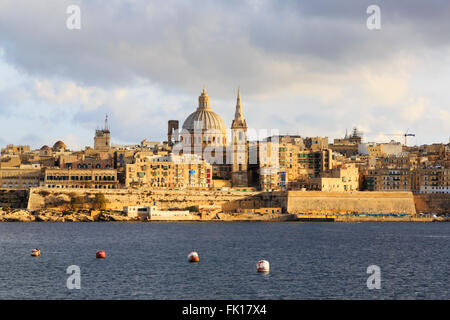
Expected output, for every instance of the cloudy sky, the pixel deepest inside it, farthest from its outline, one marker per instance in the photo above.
(304, 67)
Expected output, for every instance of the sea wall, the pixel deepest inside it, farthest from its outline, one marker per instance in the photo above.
(233, 201)
(432, 203)
(12, 198)
(41, 198)
(317, 202)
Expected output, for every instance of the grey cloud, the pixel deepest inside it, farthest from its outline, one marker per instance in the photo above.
(184, 44)
(180, 45)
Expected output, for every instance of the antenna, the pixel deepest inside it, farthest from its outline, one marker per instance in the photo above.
(106, 122)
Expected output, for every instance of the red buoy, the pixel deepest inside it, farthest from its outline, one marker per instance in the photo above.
(36, 253)
(100, 254)
(193, 257)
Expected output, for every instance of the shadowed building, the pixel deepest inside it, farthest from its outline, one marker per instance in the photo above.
(172, 133)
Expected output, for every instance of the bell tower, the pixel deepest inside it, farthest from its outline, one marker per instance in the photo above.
(239, 172)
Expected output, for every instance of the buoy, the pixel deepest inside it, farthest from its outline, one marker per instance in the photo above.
(262, 266)
(100, 254)
(193, 257)
(36, 253)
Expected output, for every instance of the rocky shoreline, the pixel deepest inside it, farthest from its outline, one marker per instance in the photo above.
(22, 215)
(48, 215)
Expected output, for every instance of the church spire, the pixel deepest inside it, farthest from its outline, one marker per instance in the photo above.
(239, 121)
(238, 114)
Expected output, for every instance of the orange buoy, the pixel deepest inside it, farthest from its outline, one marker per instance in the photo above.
(193, 257)
(100, 254)
(36, 253)
(263, 266)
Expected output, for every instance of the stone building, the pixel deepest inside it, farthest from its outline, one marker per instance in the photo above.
(15, 150)
(81, 178)
(345, 178)
(390, 179)
(10, 161)
(20, 178)
(348, 146)
(170, 171)
(88, 163)
(432, 179)
(378, 150)
(284, 162)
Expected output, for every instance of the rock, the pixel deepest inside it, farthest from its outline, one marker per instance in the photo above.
(103, 217)
(41, 218)
(53, 218)
(119, 218)
(69, 218)
(84, 218)
(18, 218)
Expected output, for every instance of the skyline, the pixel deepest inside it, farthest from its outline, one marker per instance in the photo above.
(310, 69)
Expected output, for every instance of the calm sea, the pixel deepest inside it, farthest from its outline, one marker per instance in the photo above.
(148, 260)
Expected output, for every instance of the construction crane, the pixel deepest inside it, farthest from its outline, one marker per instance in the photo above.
(405, 135)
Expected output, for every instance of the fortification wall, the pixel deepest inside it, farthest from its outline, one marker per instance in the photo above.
(12, 198)
(350, 202)
(231, 201)
(432, 203)
(116, 199)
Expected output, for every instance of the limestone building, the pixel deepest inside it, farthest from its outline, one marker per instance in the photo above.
(378, 150)
(15, 150)
(348, 146)
(170, 171)
(390, 179)
(20, 178)
(345, 178)
(81, 178)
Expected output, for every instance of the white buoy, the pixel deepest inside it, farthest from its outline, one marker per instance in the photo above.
(193, 257)
(262, 266)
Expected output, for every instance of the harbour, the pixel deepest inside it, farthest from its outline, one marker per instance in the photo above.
(148, 260)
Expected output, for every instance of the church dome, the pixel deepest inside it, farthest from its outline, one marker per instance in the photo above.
(206, 120)
(204, 117)
(59, 145)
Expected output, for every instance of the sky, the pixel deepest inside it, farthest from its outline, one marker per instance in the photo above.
(311, 68)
